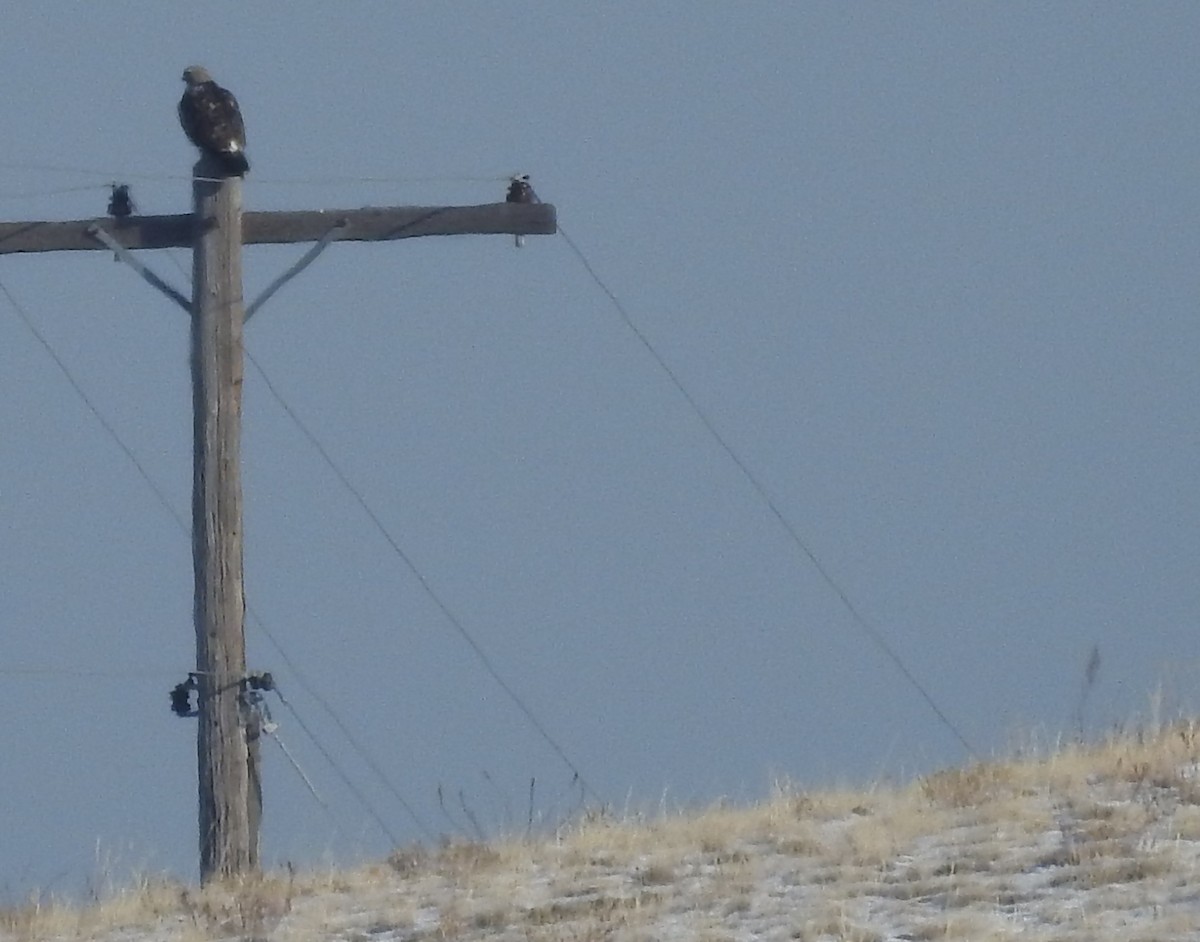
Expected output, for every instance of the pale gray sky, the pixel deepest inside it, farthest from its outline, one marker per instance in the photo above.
(929, 267)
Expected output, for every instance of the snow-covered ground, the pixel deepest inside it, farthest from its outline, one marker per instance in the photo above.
(1095, 844)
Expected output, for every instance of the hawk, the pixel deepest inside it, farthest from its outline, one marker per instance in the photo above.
(520, 191)
(212, 120)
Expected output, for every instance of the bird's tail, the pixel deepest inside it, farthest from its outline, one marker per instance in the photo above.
(518, 241)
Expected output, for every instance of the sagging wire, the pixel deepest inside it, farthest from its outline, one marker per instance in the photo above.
(108, 427)
(449, 614)
(872, 632)
(354, 790)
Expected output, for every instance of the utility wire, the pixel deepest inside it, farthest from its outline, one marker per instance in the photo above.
(259, 179)
(58, 191)
(362, 751)
(871, 631)
(424, 582)
(370, 809)
(87, 401)
(340, 181)
(82, 672)
(312, 790)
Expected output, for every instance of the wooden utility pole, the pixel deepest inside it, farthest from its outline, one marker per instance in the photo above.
(228, 821)
(230, 791)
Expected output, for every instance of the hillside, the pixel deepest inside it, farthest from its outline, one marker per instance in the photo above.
(1094, 843)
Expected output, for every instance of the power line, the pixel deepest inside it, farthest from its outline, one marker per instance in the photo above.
(88, 672)
(343, 180)
(92, 407)
(259, 179)
(354, 790)
(57, 191)
(872, 632)
(312, 789)
(424, 582)
(358, 747)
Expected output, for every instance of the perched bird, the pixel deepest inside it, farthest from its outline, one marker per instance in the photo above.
(120, 203)
(520, 191)
(212, 120)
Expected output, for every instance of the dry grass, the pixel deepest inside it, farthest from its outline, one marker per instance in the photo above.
(1095, 842)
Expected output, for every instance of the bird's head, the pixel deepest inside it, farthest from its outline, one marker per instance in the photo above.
(196, 75)
(520, 178)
